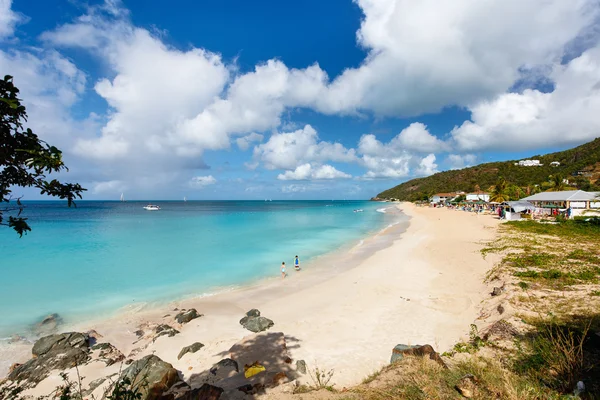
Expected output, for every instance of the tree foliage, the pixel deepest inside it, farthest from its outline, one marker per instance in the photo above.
(581, 165)
(25, 161)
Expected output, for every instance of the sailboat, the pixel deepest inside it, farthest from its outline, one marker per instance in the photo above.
(184, 198)
(122, 197)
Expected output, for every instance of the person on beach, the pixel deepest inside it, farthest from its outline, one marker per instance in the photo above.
(282, 270)
(297, 264)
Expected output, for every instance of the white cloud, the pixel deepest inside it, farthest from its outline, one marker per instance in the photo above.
(114, 187)
(519, 121)
(427, 166)
(8, 19)
(458, 161)
(199, 182)
(301, 188)
(416, 137)
(245, 142)
(308, 172)
(292, 149)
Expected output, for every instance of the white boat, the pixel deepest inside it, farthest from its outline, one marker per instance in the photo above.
(151, 207)
(185, 199)
(359, 210)
(122, 197)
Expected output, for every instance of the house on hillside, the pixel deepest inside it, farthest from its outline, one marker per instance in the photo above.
(442, 197)
(478, 196)
(554, 164)
(579, 201)
(529, 163)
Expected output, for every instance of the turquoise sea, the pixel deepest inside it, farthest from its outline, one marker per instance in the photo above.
(101, 256)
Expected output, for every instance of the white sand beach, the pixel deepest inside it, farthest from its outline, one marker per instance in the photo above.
(426, 288)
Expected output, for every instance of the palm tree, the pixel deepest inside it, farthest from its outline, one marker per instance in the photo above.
(558, 184)
(499, 191)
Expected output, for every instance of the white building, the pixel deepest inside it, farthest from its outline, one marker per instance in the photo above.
(580, 202)
(554, 164)
(442, 197)
(478, 196)
(529, 163)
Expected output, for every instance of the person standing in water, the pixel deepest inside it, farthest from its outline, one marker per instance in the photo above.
(282, 270)
(297, 263)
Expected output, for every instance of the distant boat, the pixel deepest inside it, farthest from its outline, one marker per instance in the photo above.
(359, 210)
(184, 198)
(152, 207)
(122, 197)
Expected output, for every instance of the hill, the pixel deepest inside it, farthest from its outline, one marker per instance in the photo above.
(580, 165)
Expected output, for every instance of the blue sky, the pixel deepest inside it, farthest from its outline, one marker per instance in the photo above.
(298, 100)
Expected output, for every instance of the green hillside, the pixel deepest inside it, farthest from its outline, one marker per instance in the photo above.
(580, 165)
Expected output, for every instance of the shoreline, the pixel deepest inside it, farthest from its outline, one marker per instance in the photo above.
(426, 287)
(12, 351)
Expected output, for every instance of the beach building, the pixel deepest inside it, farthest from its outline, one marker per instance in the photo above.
(529, 163)
(443, 197)
(579, 201)
(478, 196)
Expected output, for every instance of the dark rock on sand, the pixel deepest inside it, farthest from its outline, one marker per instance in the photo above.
(497, 291)
(225, 368)
(48, 325)
(301, 366)
(402, 350)
(254, 322)
(186, 316)
(467, 385)
(205, 392)
(108, 353)
(62, 351)
(151, 376)
(501, 329)
(164, 330)
(190, 349)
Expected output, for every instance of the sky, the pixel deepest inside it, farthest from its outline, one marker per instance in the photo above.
(312, 99)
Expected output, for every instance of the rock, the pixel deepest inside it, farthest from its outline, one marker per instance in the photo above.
(251, 389)
(92, 334)
(225, 368)
(48, 325)
(205, 392)
(426, 350)
(108, 353)
(190, 349)
(256, 324)
(139, 333)
(164, 330)
(186, 316)
(253, 313)
(177, 391)
(500, 309)
(497, 291)
(287, 360)
(151, 376)
(62, 351)
(13, 367)
(93, 386)
(500, 329)
(467, 385)
(301, 366)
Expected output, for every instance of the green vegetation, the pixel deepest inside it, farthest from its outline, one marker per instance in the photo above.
(580, 165)
(25, 160)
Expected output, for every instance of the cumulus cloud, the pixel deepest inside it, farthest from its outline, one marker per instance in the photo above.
(565, 116)
(245, 141)
(458, 161)
(113, 187)
(308, 172)
(292, 149)
(8, 19)
(198, 182)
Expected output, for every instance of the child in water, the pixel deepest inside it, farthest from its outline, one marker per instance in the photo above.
(282, 270)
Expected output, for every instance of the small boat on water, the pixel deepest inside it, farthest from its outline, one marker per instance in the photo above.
(152, 207)
(359, 210)
(122, 197)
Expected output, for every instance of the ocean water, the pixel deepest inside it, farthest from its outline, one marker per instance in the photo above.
(94, 259)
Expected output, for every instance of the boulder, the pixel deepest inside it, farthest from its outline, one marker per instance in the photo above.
(467, 385)
(421, 351)
(501, 329)
(254, 313)
(48, 325)
(192, 348)
(205, 392)
(108, 353)
(62, 351)
(224, 369)
(254, 322)
(186, 316)
(151, 376)
(497, 291)
(164, 330)
(301, 366)
(93, 386)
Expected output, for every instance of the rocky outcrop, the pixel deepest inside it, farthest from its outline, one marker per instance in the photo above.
(402, 350)
(224, 369)
(108, 353)
(151, 376)
(192, 348)
(54, 352)
(187, 315)
(254, 322)
(164, 330)
(48, 325)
